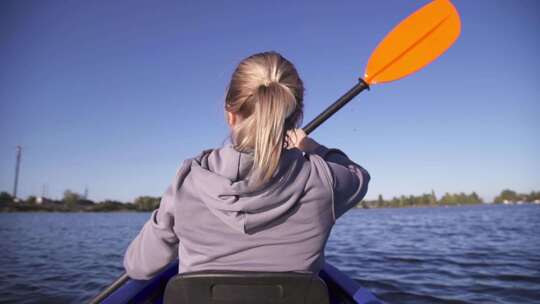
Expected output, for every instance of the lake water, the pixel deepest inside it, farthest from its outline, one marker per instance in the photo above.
(479, 254)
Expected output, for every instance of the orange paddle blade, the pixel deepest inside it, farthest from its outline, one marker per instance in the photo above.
(414, 43)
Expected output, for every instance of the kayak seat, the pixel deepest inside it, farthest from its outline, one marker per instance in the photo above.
(224, 287)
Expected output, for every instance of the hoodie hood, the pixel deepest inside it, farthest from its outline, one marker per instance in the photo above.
(220, 178)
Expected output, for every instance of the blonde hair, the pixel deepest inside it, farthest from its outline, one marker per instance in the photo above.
(267, 93)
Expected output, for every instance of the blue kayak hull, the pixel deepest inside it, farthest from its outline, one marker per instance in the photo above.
(342, 289)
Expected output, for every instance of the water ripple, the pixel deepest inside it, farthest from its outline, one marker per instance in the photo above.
(488, 254)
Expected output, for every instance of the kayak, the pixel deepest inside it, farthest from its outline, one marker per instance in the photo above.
(341, 288)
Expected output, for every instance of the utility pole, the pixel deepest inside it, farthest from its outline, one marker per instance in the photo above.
(17, 167)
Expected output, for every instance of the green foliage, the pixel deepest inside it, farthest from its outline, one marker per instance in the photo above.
(513, 196)
(71, 198)
(5, 198)
(147, 203)
(73, 202)
(85, 202)
(461, 198)
(109, 205)
(507, 195)
(533, 196)
(32, 200)
(425, 200)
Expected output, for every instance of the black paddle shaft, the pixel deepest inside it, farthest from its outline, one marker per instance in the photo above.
(338, 104)
(110, 289)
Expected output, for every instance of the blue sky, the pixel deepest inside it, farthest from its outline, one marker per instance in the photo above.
(114, 95)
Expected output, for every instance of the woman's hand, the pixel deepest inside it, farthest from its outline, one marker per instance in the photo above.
(297, 138)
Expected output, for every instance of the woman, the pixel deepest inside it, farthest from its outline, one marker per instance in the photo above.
(265, 202)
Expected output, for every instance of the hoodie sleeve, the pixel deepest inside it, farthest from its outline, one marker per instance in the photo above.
(156, 245)
(349, 180)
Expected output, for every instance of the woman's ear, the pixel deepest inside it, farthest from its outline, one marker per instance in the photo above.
(231, 118)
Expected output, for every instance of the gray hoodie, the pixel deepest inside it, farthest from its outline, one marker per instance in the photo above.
(212, 217)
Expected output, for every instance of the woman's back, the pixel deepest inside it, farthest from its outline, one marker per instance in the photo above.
(213, 218)
(222, 224)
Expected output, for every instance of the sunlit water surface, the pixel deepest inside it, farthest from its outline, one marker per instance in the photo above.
(479, 254)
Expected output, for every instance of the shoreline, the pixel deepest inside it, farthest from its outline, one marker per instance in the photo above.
(59, 209)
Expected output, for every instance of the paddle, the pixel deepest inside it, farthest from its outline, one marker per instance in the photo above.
(119, 282)
(413, 44)
(410, 46)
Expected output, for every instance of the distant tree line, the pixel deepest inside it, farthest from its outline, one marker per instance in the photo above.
(74, 202)
(449, 199)
(514, 197)
(427, 199)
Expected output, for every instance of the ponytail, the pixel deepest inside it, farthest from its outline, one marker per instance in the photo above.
(267, 93)
(274, 105)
